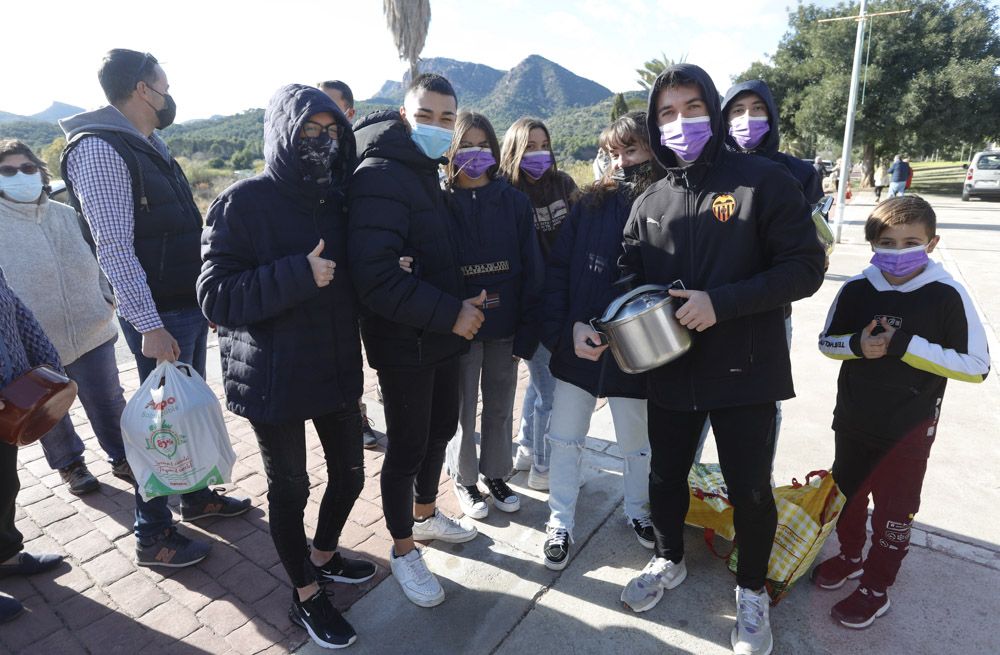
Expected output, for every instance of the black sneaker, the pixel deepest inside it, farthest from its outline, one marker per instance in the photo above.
(122, 470)
(321, 620)
(80, 480)
(860, 609)
(834, 572)
(345, 569)
(556, 549)
(643, 527)
(217, 504)
(504, 499)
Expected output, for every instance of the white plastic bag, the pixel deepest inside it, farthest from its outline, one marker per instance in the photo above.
(175, 437)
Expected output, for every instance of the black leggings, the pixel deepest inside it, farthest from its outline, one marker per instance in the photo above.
(745, 440)
(421, 417)
(283, 449)
(11, 540)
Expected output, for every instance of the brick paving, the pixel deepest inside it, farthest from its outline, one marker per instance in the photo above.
(233, 602)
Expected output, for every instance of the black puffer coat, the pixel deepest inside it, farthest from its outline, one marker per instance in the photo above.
(399, 209)
(290, 350)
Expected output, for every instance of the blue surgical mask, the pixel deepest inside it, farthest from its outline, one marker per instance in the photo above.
(21, 187)
(433, 141)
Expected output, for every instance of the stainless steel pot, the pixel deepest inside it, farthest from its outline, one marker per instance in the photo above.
(642, 330)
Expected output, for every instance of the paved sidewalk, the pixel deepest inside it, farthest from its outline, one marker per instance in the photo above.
(500, 598)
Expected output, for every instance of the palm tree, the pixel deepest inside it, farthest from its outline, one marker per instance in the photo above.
(652, 69)
(408, 21)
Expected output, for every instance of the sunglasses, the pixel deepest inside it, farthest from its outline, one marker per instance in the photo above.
(11, 171)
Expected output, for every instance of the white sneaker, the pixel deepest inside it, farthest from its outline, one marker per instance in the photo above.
(443, 528)
(752, 633)
(644, 591)
(523, 458)
(538, 480)
(418, 583)
(471, 500)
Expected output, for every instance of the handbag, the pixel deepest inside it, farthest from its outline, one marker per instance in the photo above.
(33, 404)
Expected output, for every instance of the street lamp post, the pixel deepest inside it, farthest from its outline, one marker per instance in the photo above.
(852, 102)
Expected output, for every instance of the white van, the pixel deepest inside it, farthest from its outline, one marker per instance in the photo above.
(982, 179)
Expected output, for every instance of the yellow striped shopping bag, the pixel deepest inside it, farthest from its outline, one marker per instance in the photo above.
(807, 514)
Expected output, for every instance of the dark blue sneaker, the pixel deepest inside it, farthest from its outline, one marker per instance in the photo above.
(171, 549)
(216, 504)
(10, 608)
(28, 564)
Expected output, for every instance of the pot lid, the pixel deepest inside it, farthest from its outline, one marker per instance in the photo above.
(635, 302)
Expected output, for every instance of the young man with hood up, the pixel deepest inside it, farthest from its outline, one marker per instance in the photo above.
(415, 324)
(288, 336)
(752, 122)
(734, 230)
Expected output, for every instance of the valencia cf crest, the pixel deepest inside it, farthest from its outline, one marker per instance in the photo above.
(724, 206)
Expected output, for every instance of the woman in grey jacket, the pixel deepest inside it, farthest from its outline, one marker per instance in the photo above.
(51, 267)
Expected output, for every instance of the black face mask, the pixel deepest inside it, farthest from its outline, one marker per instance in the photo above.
(629, 174)
(165, 116)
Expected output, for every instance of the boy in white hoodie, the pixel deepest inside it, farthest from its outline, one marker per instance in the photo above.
(902, 328)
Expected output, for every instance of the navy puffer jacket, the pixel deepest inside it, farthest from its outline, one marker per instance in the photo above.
(290, 350)
(499, 253)
(399, 209)
(578, 287)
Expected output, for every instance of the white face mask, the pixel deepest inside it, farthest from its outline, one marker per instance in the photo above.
(21, 187)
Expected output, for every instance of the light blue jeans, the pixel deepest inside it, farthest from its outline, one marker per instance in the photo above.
(572, 409)
(897, 188)
(536, 409)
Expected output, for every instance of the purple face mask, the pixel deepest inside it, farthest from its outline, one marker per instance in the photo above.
(536, 163)
(687, 136)
(748, 131)
(473, 161)
(900, 263)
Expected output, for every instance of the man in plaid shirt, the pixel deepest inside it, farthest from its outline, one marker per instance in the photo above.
(147, 232)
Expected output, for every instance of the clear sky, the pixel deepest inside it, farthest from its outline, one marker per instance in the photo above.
(222, 57)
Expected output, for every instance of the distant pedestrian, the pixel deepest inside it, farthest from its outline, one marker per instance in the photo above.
(881, 180)
(900, 173)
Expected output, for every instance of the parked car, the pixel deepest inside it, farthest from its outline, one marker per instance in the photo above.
(982, 177)
(57, 191)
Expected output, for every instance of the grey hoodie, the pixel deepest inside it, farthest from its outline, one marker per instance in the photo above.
(108, 118)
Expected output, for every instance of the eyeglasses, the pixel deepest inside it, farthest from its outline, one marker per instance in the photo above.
(313, 130)
(146, 58)
(11, 171)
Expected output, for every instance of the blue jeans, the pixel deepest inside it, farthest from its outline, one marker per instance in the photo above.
(537, 407)
(100, 393)
(190, 328)
(897, 188)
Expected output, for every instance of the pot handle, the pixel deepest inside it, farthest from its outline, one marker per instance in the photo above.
(602, 338)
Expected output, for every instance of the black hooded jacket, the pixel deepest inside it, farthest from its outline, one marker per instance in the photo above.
(290, 350)
(805, 173)
(399, 209)
(735, 226)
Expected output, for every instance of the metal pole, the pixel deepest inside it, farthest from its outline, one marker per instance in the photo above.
(852, 102)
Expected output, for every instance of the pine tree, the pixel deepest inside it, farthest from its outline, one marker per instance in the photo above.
(619, 108)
